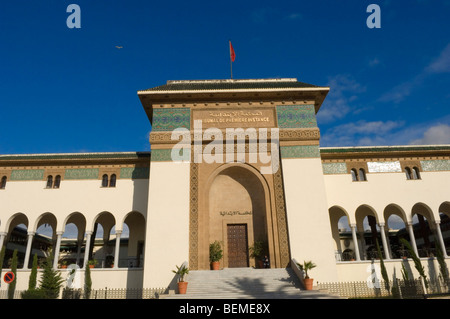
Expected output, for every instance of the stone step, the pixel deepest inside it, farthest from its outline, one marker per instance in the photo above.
(245, 283)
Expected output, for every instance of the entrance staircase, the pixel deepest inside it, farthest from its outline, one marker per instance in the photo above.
(246, 283)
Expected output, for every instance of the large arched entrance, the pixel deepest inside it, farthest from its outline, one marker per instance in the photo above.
(236, 200)
(237, 215)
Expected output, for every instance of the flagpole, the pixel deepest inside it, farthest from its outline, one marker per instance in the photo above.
(231, 60)
(231, 68)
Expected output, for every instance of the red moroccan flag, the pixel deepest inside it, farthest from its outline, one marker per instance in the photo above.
(232, 54)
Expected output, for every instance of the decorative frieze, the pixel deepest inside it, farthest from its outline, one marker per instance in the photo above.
(165, 155)
(82, 173)
(169, 119)
(334, 168)
(435, 165)
(27, 175)
(296, 116)
(300, 151)
(135, 172)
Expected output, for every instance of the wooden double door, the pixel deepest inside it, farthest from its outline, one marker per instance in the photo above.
(237, 245)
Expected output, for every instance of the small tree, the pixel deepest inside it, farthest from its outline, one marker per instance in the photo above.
(383, 269)
(51, 280)
(215, 251)
(405, 273)
(2, 258)
(417, 263)
(181, 272)
(307, 265)
(12, 285)
(33, 275)
(87, 282)
(442, 265)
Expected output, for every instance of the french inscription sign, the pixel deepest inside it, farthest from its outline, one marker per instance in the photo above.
(264, 117)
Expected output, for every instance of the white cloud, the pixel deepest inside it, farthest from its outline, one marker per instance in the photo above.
(362, 133)
(438, 134)
(403, 90)
(377, 133)
(441, 64)
(343, 93)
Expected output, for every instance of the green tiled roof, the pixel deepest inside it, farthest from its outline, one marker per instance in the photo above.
(205, 85)
(71, 156)
(364, 149)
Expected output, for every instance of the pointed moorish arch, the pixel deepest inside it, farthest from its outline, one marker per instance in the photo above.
(213, 213)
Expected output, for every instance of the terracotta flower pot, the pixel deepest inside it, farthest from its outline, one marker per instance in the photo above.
(182, 287)
(308, 283)
(215, 265)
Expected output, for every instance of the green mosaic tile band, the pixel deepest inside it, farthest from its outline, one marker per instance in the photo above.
(81, 173)
(135, 172)
(301, 151)
(296, 116)
(166, 155)
(435, 165)
(27, 175)
(170, 119)
(334, 168)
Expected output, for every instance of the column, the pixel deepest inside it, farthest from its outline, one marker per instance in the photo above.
(86, 249)
(355, 242)
(28, 251)
(413, 239)
(79, 243)
(363, 244)
(116, 253)
(383, 239)
(440, 238)
(57, 248)
(2, 239)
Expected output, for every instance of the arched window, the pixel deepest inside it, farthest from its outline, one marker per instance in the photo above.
(3, 182)
(408, 173)
(416, 173)
(112, 182)
(362, 175)
(354, 175)
(49, 181)
(57, 181)
(105, 180)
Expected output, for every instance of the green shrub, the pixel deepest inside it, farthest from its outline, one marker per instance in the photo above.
(34, 294)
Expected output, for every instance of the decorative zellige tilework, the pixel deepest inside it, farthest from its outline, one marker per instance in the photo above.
(435, 165)
(170, 119)
(166, 155)
(134, 172)
(300, 151)
(296, 116)
(81, 173)
(334, 168)
(27, 175)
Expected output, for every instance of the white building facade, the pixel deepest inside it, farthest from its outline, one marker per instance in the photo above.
(273, 184)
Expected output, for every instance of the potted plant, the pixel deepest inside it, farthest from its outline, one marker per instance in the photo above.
(92, 263)
(256, 251)
(307, 265)
(64, 264)
(181, 272)
(215, 254)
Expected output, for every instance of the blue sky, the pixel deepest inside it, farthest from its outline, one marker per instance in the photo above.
(71, 90)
